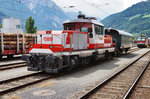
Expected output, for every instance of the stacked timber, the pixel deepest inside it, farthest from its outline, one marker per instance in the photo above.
(10, 41)
(29, 39)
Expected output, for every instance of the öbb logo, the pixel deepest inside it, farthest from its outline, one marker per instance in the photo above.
(47, 38)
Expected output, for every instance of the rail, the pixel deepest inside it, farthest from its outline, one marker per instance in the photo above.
(100, 85)
(127, 95)
(21, 82)
(12, 65)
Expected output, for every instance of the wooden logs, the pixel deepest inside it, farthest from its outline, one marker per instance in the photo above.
(10, 41)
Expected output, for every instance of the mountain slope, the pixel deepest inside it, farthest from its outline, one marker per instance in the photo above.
(135, 19)
(2, 15)
(47, 15)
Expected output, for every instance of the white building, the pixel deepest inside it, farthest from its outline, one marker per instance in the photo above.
(11, 25)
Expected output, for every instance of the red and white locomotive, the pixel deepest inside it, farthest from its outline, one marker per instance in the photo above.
(143, 42)
(83, 40)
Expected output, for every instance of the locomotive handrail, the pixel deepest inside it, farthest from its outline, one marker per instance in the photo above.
(17, 43)
(23, 47)
(2, 43)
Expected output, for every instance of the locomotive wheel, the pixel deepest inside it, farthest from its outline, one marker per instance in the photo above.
(124, 51)
(93, 59)
(74, 60)
(1, 57)
(10, 56)
(112, 54)
(106, 55)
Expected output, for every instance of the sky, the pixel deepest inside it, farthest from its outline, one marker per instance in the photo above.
(96, 8)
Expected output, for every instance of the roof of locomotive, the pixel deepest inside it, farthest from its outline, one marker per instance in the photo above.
(142, 37)
(121, 32)
(84, 20)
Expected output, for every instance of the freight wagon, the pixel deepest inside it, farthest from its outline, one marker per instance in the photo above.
(122, 40)
(15, 43)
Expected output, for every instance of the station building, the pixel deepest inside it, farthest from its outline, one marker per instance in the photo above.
(11, 25)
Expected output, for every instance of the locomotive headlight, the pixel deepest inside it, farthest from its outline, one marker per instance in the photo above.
(47, 32)
(50, 46)
(31, 46)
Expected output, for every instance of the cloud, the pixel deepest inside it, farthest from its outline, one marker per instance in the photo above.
(97, 8)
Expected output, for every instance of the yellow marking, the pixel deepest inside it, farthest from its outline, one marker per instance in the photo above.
(15, 97)
(25, 72)
(46, 84)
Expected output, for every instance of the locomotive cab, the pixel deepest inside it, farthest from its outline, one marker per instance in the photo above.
(91, 25)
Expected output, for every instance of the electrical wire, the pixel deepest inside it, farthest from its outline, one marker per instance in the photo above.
(96, 7)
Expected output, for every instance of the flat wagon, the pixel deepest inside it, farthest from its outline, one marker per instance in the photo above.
(15, 43)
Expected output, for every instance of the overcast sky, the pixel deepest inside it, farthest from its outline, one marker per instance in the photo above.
(97, 8)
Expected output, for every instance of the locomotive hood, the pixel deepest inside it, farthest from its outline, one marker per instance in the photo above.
(54, 42)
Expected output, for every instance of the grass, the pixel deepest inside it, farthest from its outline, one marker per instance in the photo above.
(146, 16)
(136, 16)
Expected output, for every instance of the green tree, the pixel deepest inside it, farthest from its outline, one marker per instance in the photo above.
(30, 28)
(0, 25)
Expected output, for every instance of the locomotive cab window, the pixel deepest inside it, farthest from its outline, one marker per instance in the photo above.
(143, 39)
(69, 27)
(84, 29)
(90, 32)
(99, 29)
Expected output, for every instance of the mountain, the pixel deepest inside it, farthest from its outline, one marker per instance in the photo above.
(47, 15)
(1, 16)
(135, 19)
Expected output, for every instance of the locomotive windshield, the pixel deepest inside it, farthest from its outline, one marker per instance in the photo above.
(141, 39)
(69, 26)
(80, 26)
(99, 29)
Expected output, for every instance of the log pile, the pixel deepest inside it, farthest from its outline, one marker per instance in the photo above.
(10, 41)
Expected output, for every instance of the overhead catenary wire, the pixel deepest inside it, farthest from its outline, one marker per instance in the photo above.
(54, 8)
(92, 4)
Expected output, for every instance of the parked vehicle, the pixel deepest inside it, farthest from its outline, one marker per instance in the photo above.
(143, 42)
(122, 40)
(15, 43)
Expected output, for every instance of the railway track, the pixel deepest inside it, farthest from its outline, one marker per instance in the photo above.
(142, 89)
(13, 84)
(12, 65)
(134, 49)
(121, 84)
